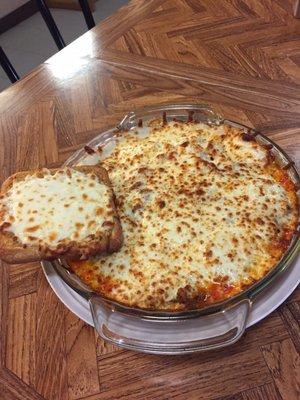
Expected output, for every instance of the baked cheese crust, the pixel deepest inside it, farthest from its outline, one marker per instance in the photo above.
(47, 213)
(205, 213)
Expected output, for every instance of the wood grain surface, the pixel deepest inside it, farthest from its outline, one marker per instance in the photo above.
(240, 56)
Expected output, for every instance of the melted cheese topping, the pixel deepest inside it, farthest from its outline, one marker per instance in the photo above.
(204, 210)
(51, 209)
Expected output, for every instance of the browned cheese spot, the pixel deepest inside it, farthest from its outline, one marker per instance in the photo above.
(32, 228)
(52, 236)
(99, 211)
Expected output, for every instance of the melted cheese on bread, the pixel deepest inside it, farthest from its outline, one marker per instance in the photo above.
(205, 212)
(50, 209)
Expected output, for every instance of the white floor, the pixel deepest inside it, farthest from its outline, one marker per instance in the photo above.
(30, 43)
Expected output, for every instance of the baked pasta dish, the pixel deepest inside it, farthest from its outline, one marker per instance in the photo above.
(205, 212)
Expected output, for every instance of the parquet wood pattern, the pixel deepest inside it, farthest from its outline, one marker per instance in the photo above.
(240, 56)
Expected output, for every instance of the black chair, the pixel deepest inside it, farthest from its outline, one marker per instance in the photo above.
(47, 16)
(88, 16)
(8, 68)
(55, 33)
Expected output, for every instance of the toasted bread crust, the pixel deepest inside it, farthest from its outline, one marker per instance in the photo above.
(13, 251)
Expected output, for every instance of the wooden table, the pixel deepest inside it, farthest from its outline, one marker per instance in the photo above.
(243, 58)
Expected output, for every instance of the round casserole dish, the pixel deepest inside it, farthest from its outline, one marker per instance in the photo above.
(219, 324)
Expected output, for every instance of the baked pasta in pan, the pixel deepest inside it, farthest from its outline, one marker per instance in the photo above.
(205, 212)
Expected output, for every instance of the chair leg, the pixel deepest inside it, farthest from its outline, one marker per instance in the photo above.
(297, 9)
(8, 68)
(44, 10)
(88, 16)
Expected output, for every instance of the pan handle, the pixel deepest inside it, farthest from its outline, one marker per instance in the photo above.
(170, 336)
